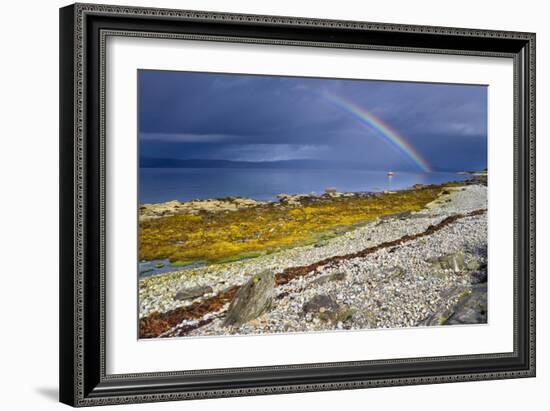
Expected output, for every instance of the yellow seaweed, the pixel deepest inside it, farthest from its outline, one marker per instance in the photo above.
(250, 232)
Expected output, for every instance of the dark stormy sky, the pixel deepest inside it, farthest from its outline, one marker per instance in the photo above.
(266, 118)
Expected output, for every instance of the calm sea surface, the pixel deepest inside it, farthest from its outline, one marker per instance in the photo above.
(164, 184)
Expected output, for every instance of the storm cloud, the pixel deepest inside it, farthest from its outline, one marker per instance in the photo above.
(188, 115)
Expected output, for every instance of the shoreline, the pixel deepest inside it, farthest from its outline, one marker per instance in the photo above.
(219, 280)
(459, 177)
(243, 201)
(231, 203)
(162, 264)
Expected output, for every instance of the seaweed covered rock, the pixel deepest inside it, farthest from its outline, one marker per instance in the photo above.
(454, 262)
(252, 299)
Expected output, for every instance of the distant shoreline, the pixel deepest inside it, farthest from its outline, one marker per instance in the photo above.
(304, 163)
(161, 185)
(474, 177)
(236, 202)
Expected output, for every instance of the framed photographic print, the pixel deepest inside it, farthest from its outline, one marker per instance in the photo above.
(261, 204)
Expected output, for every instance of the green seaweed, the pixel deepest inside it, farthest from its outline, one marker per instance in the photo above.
(183, 263)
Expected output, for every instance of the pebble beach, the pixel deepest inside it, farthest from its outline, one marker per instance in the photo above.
(422, 268)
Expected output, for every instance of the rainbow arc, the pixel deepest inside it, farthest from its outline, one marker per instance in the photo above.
(383, 129)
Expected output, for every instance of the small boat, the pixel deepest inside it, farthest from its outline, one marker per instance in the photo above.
(390, 173)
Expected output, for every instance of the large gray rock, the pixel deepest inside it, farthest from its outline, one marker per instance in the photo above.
(190, 293)
(252, 299)
(471, 309)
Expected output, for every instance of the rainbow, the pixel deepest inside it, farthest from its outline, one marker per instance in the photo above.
(389, 134)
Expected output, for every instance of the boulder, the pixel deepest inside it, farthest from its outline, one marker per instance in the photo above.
(441, 315)
(190, 293)
(471, 309)
(253, 299)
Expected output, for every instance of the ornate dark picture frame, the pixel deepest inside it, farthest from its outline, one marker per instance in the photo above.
(83, 30)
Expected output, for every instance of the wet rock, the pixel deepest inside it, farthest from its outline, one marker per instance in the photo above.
(441, 315)
(471, 309)
(338, 276)
(252, 299)
(190, 293)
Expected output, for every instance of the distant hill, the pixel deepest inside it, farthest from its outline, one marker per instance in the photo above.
(148, 162)
(199, 163)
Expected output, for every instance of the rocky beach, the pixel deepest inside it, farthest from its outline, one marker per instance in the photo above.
(410, 258)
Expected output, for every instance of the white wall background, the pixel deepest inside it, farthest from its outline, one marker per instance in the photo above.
(29, 204)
